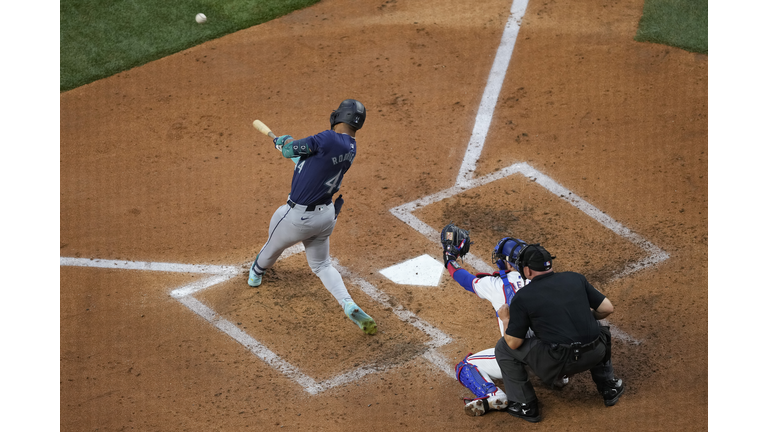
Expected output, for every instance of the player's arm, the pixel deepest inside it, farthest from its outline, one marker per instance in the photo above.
(297, 148)
(463, 277)
(292, 148)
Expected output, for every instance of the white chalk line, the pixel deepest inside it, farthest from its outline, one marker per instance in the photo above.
(150, 266)
(465, 179)
(405, 211)
(221, 274)
(437, 338)
(491, 92)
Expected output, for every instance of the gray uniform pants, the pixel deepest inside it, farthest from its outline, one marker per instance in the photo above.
(549, 364)
(313, 228)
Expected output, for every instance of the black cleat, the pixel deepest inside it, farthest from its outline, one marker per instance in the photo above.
(612, 390)
(526, 411)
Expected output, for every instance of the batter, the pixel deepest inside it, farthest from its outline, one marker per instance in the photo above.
(310, 213)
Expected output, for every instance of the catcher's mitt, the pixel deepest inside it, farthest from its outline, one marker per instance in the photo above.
(455, 242)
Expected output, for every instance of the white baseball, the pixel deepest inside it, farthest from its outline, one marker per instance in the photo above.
(200, 18)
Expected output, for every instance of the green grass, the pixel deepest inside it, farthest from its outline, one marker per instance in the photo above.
(101, 38)
(678, 23)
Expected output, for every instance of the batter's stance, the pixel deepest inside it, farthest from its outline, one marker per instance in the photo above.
(310, 214)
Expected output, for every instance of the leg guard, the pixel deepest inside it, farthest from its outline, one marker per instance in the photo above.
(470, 377)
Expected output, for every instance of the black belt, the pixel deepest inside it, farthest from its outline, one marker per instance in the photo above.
(312, 206)
(578, 348)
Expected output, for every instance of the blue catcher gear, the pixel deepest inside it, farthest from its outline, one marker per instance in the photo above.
(508, 249)
(470, 377)
(351, 112)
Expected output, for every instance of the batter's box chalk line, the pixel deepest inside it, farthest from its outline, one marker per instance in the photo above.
(221, 274)
(464, 181)
(654, 254)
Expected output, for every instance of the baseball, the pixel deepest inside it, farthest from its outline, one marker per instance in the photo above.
(200, 18)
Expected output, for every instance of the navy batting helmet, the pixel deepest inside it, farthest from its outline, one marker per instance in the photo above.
(351, 112)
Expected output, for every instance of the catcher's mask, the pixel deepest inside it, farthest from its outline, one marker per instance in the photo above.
(351, 112)
(508, 249)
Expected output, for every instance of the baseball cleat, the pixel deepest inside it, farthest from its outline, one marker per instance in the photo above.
(362, 319)
(561, 382)
(497, 403)
(254, 280)
(477, 407)
(612, 390)
(528, 412)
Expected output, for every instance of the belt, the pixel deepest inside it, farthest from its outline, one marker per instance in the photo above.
(578, 348)
(312, 206)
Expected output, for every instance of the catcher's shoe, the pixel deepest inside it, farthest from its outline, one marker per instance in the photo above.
(362, 319)
(477, 407)
(254, 280)
(526, 411)
(480, 406)
(612, 391)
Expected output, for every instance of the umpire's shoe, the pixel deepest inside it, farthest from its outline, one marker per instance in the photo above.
(526, 411)
(362, 319)
(612, 390)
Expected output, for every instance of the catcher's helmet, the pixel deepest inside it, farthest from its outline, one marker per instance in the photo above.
(508, 249)
(351, 112)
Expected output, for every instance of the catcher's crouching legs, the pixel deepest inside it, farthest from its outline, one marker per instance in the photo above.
(479, 382)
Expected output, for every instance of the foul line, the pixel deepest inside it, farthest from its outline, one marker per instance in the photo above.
(151, 266)
(491, 92)
(465, 179)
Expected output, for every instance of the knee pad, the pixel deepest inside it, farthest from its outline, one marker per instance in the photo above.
(470, 377)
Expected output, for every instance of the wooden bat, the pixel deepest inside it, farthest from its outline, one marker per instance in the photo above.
(261, 127)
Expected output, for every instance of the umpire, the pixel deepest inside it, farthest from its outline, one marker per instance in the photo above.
(562, 309)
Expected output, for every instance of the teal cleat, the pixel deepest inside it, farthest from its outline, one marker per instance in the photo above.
(362, 319)
(254, 280)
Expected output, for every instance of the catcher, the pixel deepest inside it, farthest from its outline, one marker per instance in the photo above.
(477, 371)
(562, 308)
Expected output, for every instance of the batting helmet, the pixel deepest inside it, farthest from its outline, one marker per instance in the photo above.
(351, 112)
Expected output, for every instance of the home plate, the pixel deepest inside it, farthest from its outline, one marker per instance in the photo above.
(423, 270)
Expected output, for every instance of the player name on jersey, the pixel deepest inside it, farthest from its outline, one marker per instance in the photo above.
(345, 157)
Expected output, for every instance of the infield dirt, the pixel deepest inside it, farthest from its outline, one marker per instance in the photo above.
(161, 164)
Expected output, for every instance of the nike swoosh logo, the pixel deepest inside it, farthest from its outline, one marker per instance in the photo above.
(305, 218)
(525, 411)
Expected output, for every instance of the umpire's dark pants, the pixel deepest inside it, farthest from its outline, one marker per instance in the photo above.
(550, 363)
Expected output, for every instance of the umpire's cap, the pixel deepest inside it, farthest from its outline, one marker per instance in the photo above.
(536, 258)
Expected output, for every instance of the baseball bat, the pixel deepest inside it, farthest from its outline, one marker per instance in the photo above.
(261, 127)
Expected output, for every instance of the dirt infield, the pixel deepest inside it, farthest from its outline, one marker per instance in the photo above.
(160, 164)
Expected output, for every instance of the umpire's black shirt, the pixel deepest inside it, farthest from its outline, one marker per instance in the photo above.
(556, 307)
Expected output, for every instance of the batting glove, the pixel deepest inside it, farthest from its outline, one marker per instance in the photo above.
(280, 141)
